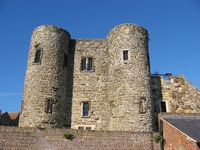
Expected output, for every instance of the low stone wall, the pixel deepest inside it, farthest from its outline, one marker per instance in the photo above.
(53, 139)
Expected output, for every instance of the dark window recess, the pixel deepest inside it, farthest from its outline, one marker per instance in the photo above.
(65, 60)
(163, 106)
(88, 128)
(48, 106)
(37, 58)
(142, 105)
(87, 64)
(81, 128)
(125, 55)
(86, 109)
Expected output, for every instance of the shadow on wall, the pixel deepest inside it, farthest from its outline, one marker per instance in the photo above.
(70, 73)
(156, 92)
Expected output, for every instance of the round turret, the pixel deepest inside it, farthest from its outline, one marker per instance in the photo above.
(44, 100)
(129, 71)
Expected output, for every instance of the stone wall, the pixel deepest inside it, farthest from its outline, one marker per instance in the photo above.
(179, 94)
(45, 82)
(117, 90)
(129, 86)
(36, 139)
(91, 86)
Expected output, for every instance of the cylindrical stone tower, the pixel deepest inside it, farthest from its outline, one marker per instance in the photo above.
(129, 71)
(44, 100)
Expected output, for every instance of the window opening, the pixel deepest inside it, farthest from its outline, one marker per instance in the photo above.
(86, 109)
(37, 58)
(87, 64)
(163, 106)
(48, 106)
(125, 55)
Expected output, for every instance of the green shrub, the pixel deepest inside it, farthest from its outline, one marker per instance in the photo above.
(68, 136)
(158, 138)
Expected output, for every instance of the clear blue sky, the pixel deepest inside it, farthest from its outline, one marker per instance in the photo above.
(173, 25)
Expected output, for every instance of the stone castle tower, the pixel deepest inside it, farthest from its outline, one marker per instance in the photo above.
(98, 84)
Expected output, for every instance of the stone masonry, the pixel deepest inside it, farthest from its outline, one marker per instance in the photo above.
(111, 75)
(178, 94)
(173, 94)
(46, 79)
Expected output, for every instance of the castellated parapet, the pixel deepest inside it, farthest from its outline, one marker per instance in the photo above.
(99, 84)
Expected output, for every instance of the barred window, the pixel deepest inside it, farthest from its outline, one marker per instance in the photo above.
(87, 64)
(37, 58)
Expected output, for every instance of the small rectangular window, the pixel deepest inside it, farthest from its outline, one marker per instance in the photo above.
(87, 64)
(37, 58)
(163, 106)
(85, 109)
(125, 55)
(48, 106)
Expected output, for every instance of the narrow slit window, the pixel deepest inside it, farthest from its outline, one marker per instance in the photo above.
(48, 106)
(125, 55)
(85, 109)
(142, 105)
(37, 58)
(163, 106)
(87, 64)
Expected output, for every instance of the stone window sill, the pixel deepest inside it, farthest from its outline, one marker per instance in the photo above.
(85, 116)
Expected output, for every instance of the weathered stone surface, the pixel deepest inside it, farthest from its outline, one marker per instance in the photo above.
(46, 80)
(118, 90)
(179, 94)
(129, 80)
